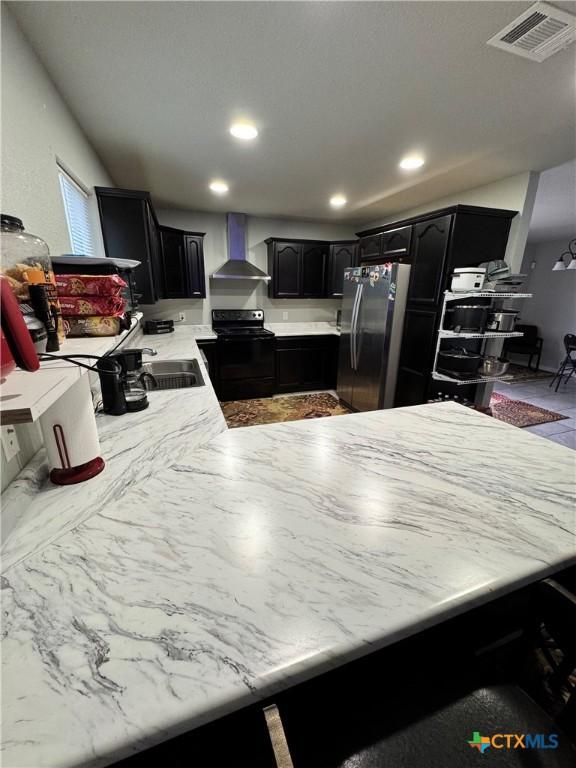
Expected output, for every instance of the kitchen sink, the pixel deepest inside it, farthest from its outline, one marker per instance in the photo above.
(170, 374)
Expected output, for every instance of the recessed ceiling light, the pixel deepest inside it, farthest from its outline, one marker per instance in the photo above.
(338, 201)
(411, 162)
(244, 131)
(219, 187)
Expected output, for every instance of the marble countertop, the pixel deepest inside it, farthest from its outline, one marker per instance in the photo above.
(219, 566)
(279, 329)
(132, 446)
(303, 329)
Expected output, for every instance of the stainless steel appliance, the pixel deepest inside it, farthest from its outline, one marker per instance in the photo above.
(373, 306)
(244, 353)
(502, 320)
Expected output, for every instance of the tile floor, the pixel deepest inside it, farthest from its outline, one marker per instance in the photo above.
(539, 393)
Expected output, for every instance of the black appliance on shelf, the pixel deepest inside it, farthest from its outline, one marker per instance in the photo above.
(244, 353)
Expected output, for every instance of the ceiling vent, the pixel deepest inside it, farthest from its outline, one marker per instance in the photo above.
(537, 33)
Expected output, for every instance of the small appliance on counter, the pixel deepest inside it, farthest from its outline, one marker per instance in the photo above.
(467, 279)
(121, 388)
(158, 326)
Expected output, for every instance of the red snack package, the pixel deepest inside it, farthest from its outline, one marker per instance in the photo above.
(89, 285)
(82, 306)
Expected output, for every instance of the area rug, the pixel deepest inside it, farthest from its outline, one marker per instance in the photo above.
(269, 410)
(519, 413)
(522, 373)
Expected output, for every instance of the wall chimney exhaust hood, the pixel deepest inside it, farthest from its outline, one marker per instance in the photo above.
(237, 267)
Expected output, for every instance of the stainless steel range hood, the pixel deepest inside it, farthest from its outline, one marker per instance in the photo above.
(237, 267)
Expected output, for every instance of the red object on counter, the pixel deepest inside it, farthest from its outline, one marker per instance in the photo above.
(16, 348)
(89, 285)
(84, 306)
(73, 475)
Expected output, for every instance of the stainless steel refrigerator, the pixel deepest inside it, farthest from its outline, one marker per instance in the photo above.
(373, 304)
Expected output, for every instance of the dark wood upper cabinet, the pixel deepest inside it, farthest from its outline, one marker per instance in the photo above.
(298, 268)
(194, 251)
(389, 245)
(314, 263)
(308, 269)
(370, 248)
(429, 250)
(174, 262)
(183, 264)
(396, 244)
(342, 255)
(285, 266)
(130, 231)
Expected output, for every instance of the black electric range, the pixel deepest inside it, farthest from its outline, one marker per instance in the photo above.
(245, 353)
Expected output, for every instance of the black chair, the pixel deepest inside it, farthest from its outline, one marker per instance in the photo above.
(529, 344)
(569, 362)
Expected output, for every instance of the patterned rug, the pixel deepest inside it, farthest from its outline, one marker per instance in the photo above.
(522, 373)
(269, 410)
(519, 413)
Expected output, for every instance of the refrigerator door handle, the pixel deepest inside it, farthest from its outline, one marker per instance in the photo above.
(355, 328)
(352, 326)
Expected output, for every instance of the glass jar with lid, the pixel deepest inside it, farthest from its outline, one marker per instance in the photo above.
(24, 261)
(24, 257)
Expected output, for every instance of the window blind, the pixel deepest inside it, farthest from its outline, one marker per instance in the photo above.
(77, 215)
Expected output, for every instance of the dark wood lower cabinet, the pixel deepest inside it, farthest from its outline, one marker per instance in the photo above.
(301, 364)
(306, 362)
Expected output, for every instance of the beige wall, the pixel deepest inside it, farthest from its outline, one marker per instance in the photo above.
(247, 293)
(515, 193)
(37, 128)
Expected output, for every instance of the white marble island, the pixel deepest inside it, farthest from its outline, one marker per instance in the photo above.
(263, 557)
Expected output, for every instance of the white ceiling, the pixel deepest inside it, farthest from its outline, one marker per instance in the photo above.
(340, 92)
(554, 215)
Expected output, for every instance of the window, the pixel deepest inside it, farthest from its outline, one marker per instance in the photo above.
(77, 215)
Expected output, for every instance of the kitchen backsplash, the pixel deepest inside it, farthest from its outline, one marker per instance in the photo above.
(197, 311)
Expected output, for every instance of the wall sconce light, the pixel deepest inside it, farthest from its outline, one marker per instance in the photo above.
(571, 253)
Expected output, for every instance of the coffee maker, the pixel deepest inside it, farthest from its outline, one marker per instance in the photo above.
(119, 382)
